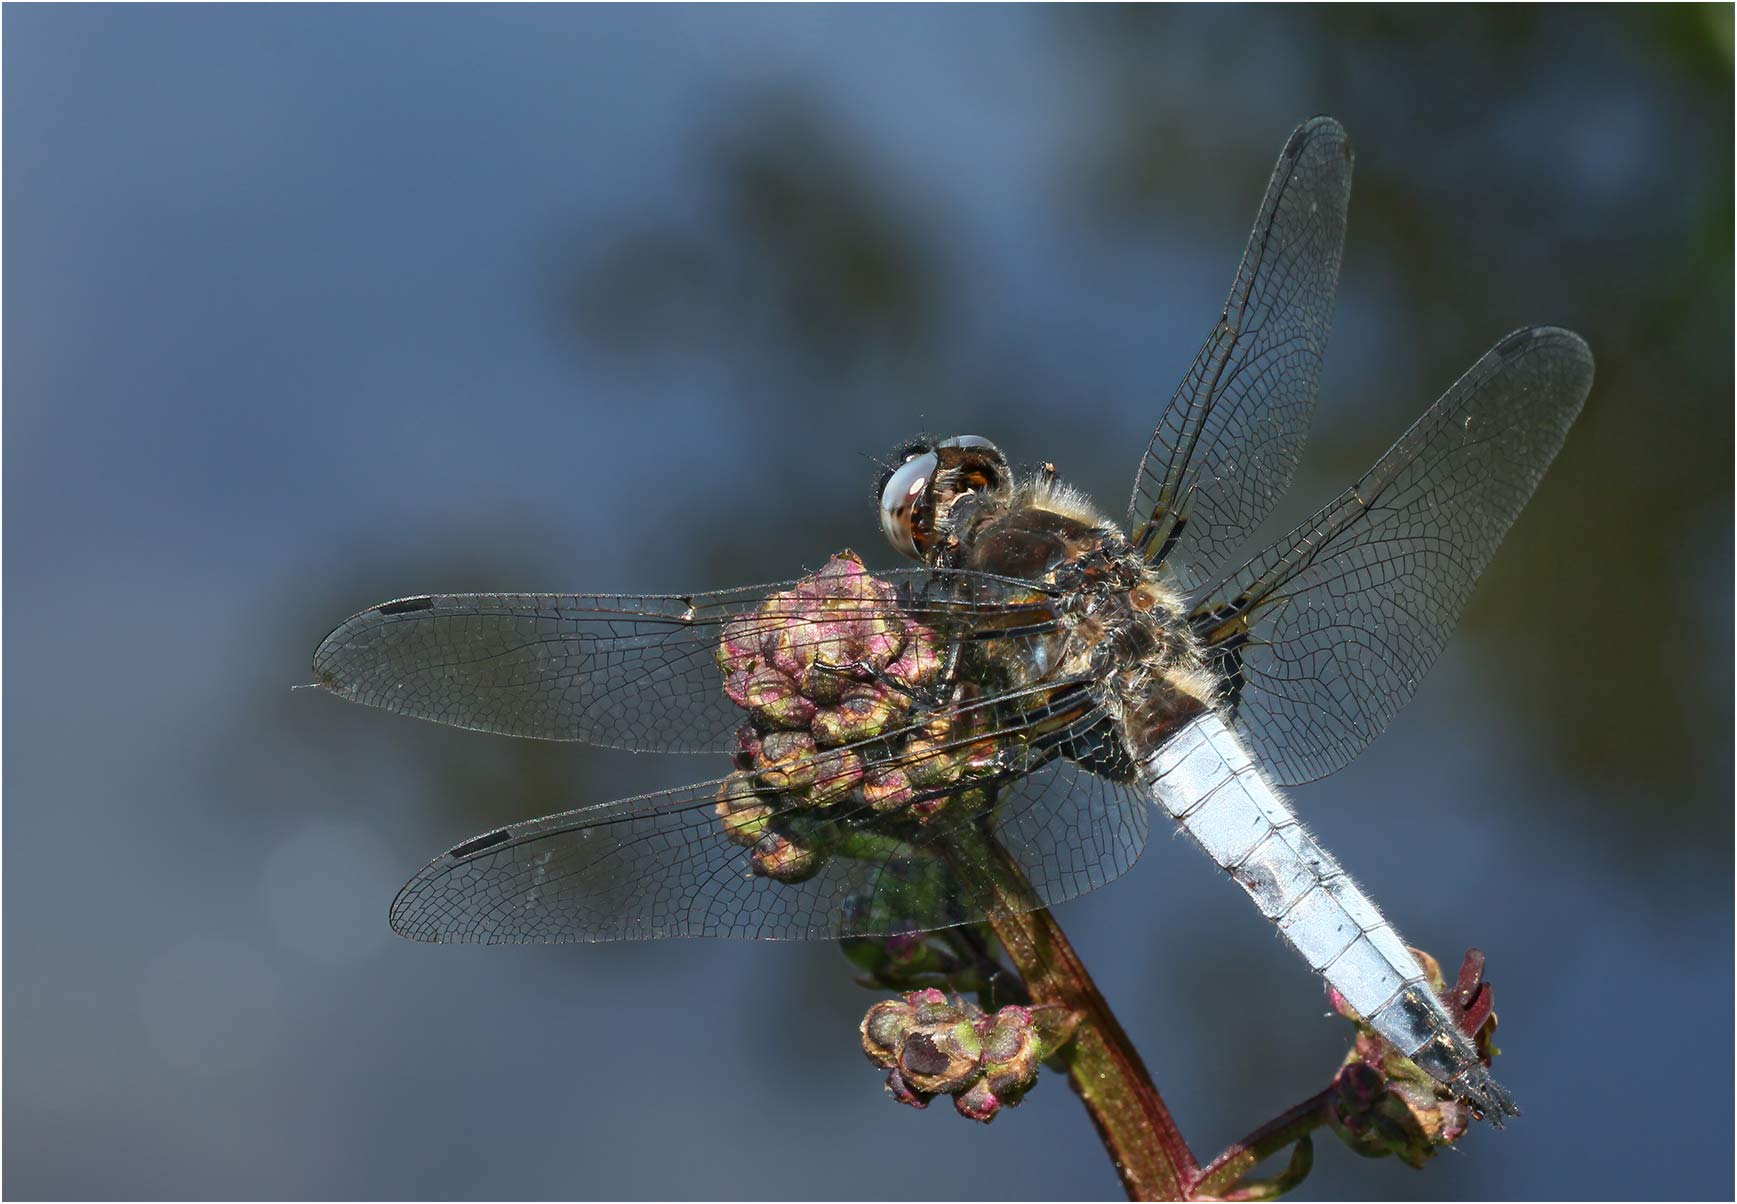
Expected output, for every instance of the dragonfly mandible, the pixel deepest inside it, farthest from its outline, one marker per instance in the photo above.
(1032, 685)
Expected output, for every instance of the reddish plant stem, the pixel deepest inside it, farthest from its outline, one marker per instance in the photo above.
(1136, 1128)
(1151, 1157)
(1224, 1177)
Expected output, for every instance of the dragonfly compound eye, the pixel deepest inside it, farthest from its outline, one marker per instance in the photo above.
(906, 517)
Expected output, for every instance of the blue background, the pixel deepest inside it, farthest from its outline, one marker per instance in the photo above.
(308, 307)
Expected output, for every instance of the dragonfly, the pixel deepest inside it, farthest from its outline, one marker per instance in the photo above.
(1031, 685)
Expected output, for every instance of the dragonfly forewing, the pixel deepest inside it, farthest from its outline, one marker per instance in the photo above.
(636, 672)
(1228, 443)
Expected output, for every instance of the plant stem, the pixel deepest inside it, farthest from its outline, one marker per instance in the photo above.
(1136, 1128)
(1151, 1157)
(1226, 1173)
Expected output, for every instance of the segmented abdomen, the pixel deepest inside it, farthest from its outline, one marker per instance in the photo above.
(1207, 781)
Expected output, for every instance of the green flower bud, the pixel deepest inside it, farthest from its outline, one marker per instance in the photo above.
(739, 645)
(932, 1045)
(887, 789)
(1012, 1051)
(789, 647)
(863, 712)
(783, 859)
(884, 1030)
(904, 961)
(941, 1058)
(775, 701)
(919, 660)
(835, 774)
(743, 810)
(876, 636)
(784, 762)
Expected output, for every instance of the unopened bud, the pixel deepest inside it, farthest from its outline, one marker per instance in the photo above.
(1012, 1050)
(783, 859)
(775, 701)
(743, 810)
(887, 789)
(979, 1102)
(835, 774)
(919, 660)
(932, 1045)
(884, 1030)
(1383, 1103)
(785, 762)
(863, 712)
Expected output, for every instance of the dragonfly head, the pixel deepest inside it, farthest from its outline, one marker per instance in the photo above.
(919, 494)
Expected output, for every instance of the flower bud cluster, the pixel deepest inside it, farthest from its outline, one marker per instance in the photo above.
(932, 1045)
(829, 672)
(1384, 1103)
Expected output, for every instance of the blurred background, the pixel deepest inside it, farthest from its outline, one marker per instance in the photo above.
(306, 308)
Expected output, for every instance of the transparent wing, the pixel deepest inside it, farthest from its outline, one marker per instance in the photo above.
(1228, 442)
(1328, 632)
(662, 865)
(624, 671)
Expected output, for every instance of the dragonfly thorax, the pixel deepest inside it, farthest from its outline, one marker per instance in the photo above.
(1120, 624)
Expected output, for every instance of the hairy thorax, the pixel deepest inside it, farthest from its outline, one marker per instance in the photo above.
(1120, 624)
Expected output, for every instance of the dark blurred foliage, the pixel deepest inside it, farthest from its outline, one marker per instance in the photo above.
(1639, 263)
(812, 257)
(314, 307)
(805, 238)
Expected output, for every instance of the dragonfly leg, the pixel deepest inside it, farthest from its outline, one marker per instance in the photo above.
(921, 699)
